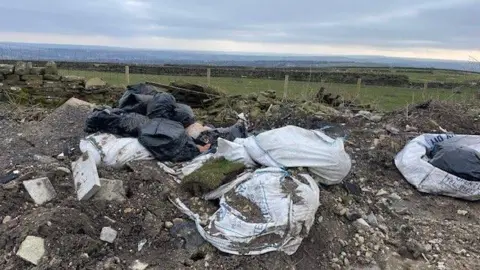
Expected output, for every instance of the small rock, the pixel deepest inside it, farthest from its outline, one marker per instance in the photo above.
(61, 156)
(372, 220)
(62, 172)
(108, 234)
(45, 159)
(428, 248)
(94, 83)
(462, 212)
(320, 219)
(138, 265)
(21, 68)
(177, 221)
(346, 262)
(381, 192)
(394, 196)
(168, 224)
(141, 244)
(6, 219)
(32, 249)
(361, 239)
(353, 215)
(410, 128)
(392, 129)
(84, 256)
(361, 224)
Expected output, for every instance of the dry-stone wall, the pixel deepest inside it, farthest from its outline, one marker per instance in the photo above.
(24, 82)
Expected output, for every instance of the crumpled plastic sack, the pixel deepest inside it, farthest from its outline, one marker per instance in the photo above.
(414, 164)
(164, 105)
(456, 157)
(115, 121)
(167, 140)
(108, 150)
(292, 146)
(260, 212)
(136, 98)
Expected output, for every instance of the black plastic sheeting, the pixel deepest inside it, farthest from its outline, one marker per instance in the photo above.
(457, 159)
(231, 133)
(115, 121)
(167, 140)
(136, 98)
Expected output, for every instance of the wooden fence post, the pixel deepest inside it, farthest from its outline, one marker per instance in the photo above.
(127, 74)
(209, 73)
(285, 88)
(359, 85)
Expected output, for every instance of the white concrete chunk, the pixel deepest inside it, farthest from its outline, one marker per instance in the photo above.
(108, 234)
(40, 189)
(32, 249)
(85, 176)
(138, 265)
(110, 190)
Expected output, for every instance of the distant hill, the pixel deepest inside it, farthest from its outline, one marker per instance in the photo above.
(28, 51)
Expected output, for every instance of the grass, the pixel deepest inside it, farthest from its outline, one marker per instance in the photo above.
(383, 97)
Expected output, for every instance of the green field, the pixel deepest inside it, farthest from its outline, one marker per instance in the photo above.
(382, 97)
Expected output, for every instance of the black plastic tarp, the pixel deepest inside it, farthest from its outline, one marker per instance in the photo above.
(136, 98)
(167, 140)
(456, 158)
(115, 121)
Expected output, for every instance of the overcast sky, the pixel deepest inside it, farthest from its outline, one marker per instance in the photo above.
(448, 29)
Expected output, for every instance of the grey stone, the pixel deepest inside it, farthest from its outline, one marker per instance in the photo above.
(72, 78)
(361, 224)
(462, 212)
(45, 159)
(138, 265)
(62, 171)
(51, 68)
(51, 77)
(37, 71)
(40, 189)
(31, 77)
(21, 68)
(372, 220)
(108, 234)
(32, 249)
(394, 196)
(85, 176)
(29, 66)
(6, 219)
(110, 190)
(6, 69)
(381, 192)
(94, 83)
(1, 78)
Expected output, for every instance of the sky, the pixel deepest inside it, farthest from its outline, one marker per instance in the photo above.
(438, 29)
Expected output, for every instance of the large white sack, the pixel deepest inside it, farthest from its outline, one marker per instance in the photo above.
(288, 207)
(292, 146)
(412, 162)
(109, 150)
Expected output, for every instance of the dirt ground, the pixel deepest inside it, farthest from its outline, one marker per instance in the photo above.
(407, 229)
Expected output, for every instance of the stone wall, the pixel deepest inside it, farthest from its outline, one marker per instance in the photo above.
(23, 82)
(339, 75)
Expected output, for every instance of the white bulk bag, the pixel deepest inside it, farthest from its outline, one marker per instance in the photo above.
(109, 150)
(287, 206)
(292, 146)
(412, 162)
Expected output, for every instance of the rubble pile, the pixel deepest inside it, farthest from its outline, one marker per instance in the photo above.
(80, 195)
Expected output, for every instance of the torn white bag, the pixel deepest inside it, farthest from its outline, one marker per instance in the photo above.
(285, 213)
(292, 146)
(412, 162)
(109, 150)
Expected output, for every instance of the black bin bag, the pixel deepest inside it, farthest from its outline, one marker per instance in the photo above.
(115, 121)
(136, 98)
(167, 140)
(456, 158)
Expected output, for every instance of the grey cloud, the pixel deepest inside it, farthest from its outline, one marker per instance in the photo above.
(450, 24)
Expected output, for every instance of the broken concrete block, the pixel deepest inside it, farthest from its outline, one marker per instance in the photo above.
(32, 249)
(85, 176)
(40, 189)
(110, 190)
(108, 234)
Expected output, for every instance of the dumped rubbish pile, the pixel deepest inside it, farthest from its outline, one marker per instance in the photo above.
(157, 182)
